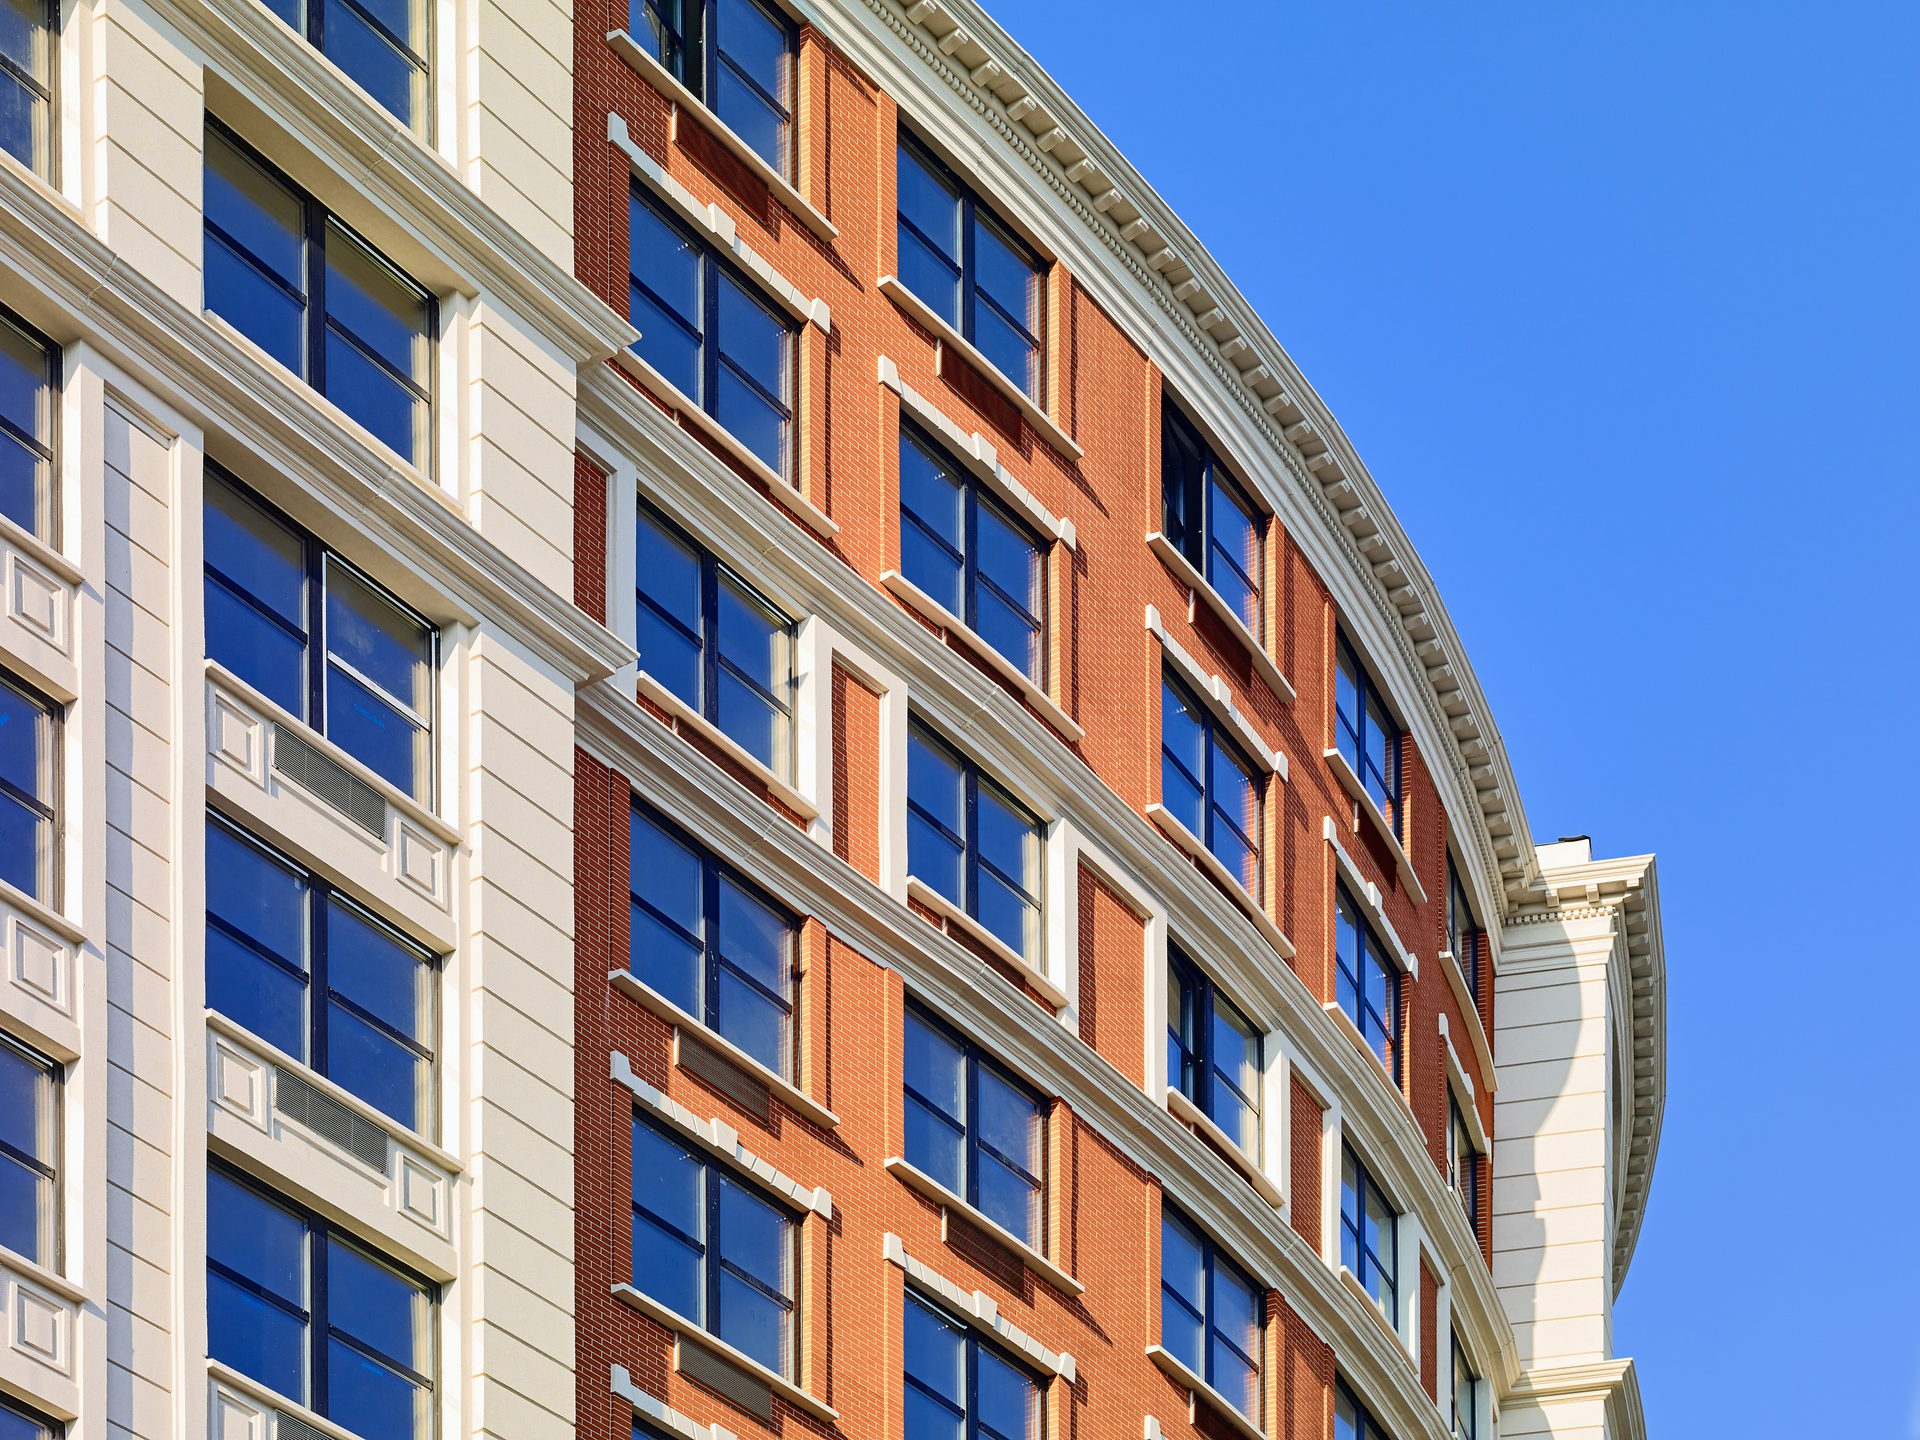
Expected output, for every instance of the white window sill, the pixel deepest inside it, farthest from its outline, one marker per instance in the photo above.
(41, 913)
(952, 1205)
(1352, 1282)
(1203, 593)
(1183, 1109)
(40, 552)
(685, 102)
(687, 718)
(1470, 1013)
(231, 1379)
(693, 418)
(1463, 1094)
(396, 798)
(1350, 782)
(784, 1091)
(1343, 1022)
(924, 315)
(1199, 1392)
(1367, 893)
(922, 893)
(1192, 845)
(928, 608)
(689, 1332)
(1214, 693)
(40, 1277)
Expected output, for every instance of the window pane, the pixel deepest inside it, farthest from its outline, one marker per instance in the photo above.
(374, 61)
(665, 961)
(369, 1398)
(935, 783)
(752, 419)
(665, 343)
(936, 1353)
(754, 1235)
(746, 112)
(256, 551)
(754, 937)
(264, 313)
(1007, 1198)
(1182, 1263)
(667, 1267)
(255, 1238)
(26, 402)
(667, 262)
(377, 1068)
(368, 299)
(666, 874)
(931, 205)
(23, 35)
(751, 720)
(25, 750)
(1009, 1120)
(1009, 558)
(382, 1309)
(750, 1020)
(25, 478)
(1009, 839)
(935, 1068)
(1236, 1310)
(26, 1210)
(1005, 274)
(1006, 913)
(660, 27)
(756, 43)
(387, 740)
(256, 993)
(934, 1145)
(374, 635)
(372, 396)
(372, 968)
(256, 1338)
(1009, 1400)
(26, 1103)
(752, 337)
(754, 639)
(929, 275)
(261, 214)
(23, 123)
(667, 1181)
(263, 654)
(1009, 631)
(1011, 352)
(753, 1321)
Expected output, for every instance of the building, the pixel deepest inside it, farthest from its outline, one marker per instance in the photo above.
(1044, 939)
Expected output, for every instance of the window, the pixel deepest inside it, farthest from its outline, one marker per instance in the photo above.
(19, 1423)
(1463, 1161)
(1207, 784)
(1213, 1052)
(1351, 1419)
(711, 1249)
(1368, 982)
(29, 380)
(29, 61)
(29, 1150)
(1210, 1313)
(972, 842)
(704, 330)
(968, 267)
(316, 297)
(704, 939)
(1369, 1235)
(965, 549)
(707, 637)
(27, 761)
(303, 1309)
(1368, 739)
(1464, 937)
(1466, 1395)
(319, 977)
(1207, 517)
(735, 55)
(318, 638)
(958, 1388)
(381, 44)
(972, 1127)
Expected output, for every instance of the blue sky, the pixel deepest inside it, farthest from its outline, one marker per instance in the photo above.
(1619, 304)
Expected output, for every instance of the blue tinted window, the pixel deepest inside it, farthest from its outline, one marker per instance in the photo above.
(958, 1387)
(316, 297)
(1207, 784)
(709, 334)
(27, 831)
(1206, 518)
(380, 44)
(706, 940)
(1465, 1395)
(28, 43)
(1213, 1052)
(29, 1148)
(29, 373)
(962, 547)
(19, 1423)
(736, 55)
(1366, 982)
(972, 842)
(967, 266)
(971, 1126)
(1369, 1235)
(1367, 735)
(712, 1249)
(304, 1310)
(1210, 1313)
(318, 977)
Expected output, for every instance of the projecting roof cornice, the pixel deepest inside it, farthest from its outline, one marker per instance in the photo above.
(1312, 475)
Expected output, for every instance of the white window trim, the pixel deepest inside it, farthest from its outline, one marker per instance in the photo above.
(1191, 844)
(1198, 1390)
(922, 893)
(952, 1204)
(1368, 894)
(691, 1332)
(1200, 591)
(1214, 692)
(1350, 782)
(978, 1310)
(687, 718)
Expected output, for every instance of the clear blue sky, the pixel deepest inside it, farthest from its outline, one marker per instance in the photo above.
(1619, 304)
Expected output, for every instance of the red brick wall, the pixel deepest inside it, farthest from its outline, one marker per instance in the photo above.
(1430, 1346)
(1303, 1133)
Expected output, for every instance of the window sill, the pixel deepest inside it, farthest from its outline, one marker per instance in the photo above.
(1464, 1096)
(40, 1277)
(1190, 844)
(1183, 1109)
(923, 314)
(921, 1183)
(1199, 1392)
(40, 552)
(685, 715)
(685, 102)
(1352, 1282)
(1343, 1022)
(1368, 893)
(928, 608)
(41, 913)
(399, 1134)
(1470, 1012)
(689, 1332)
(1203, 592)
(785, 1091)
(263, 1395)
(693, 418)
(1213, 693)
(1350, 782)
(396, 798)
(924, 894)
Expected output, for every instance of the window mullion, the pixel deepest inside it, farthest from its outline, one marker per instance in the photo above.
(318, 983)
(317, 1385)
(710, 943)
(314, 651)
(709, 639)
(313, 257)
(709, 331)
(710, 1262)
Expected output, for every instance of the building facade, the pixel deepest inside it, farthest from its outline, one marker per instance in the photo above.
(698, 738)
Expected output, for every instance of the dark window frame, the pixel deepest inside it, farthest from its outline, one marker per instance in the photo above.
(313, 29)
(975, 495)
(698, 34)
(317, 324)
(319, 1332)
(708, 337)
(1464, 1168)
(973, 778)
(1199, 1065)
(974, 1059)
(1189, 525)
(713, 571)
(318, 558)
(45, 93)
(1464, 1420)
(1355, 731)
(710, 1244)
(1365, 1427)
(1366, 1263)
(49, 1169)
(46, 520)
(50, 1428)
(322, 893)
(48, 810)
(1465, 936)
(1214, 1258)
(1366, 1019)
(972, 210)
(972, 1344)
(1216, 739)
(712, 867)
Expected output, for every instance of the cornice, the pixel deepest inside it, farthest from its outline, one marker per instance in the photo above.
(1615, 1383)
(73, 286)
(283, 77)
